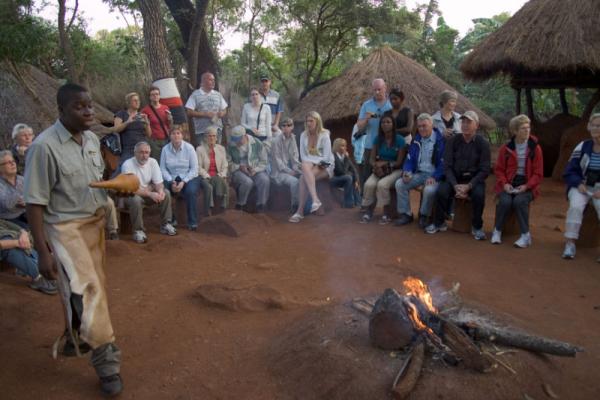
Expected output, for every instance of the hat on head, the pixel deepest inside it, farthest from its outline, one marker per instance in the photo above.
(264, 78)
(472, 115)
(237, 133)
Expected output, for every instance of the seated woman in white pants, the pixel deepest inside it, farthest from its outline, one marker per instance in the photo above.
(582, 176)
(317, 162)
(387, 156)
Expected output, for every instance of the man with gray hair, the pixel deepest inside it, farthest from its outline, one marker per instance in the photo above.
(368, 121)
(423, 167)
(151, 191)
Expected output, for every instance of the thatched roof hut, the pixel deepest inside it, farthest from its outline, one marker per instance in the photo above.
(552, 44)
(28, 95)
(339, 100)
(546, 44)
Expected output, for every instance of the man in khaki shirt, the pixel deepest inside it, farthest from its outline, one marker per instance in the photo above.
(66, 214)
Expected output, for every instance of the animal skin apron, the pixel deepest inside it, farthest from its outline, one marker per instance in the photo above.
(78, 247)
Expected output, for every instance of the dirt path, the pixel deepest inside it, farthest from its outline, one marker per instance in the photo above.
(177, 347)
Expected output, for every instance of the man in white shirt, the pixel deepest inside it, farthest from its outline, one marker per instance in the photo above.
(206, 107)
(151, 191)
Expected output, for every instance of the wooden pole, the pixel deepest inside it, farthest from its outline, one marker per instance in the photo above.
(529, 97)
(563, 101)
(518, 105)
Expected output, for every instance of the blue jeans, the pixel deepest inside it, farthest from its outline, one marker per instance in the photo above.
(347, 183)
(27, 264)
(403, 194)
(189, 192)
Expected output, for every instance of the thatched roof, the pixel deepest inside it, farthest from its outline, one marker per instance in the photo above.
(28, 95)
(342, 97)
(547, 43)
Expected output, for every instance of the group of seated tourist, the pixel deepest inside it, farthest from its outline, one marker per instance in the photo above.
(445, 159)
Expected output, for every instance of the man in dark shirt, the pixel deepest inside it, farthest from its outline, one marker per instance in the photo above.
(466, 166)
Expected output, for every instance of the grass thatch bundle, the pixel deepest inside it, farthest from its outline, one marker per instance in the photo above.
(547, 43)
(342, 97)
(28, 95)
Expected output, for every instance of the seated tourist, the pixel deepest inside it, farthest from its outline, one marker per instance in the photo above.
(247, 159)
(285, 163)
(16, 249)
(212, 171)
(582, 176)
(12, 205)
(151, 192)
(519, 171)
(424, 167)
(22, 136)
(179, 168)
(387, 157)
(317, 163)
(345, 174)
(466, 166)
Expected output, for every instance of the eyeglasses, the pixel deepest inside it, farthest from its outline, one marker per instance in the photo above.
(8, 162)
(287, 125)
(594, 126)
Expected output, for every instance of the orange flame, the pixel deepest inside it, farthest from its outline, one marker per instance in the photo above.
(416, 287)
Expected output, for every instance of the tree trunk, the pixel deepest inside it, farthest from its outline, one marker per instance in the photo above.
(65, 41)
(155, 42)
(187, 16)
(563, 101)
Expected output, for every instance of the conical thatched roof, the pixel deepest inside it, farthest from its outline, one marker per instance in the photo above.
(547, 43)
(28, 95)
(342, 97)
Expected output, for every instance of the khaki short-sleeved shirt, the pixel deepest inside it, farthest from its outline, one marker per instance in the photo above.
(59, 171)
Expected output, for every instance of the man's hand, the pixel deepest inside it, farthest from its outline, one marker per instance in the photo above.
(251, 171)
(582, 189)
(245, 169)
(461, 191)
(448, 132)
(508, 188)
(20, 203)
(210, 114)
(521, 189)
(596, 194)
(406, 177)
(430, 181)
(24, 242)
(47, 265)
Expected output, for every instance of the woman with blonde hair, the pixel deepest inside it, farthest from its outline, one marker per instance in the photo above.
(519, 171)
(317, 162)
(132, 126)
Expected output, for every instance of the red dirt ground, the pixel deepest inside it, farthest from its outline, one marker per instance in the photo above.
(175, 346)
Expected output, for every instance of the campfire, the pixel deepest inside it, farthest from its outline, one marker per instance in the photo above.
(410, 321)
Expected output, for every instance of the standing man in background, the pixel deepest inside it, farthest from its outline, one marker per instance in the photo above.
(368, 120)
(273, 100)
(206, 107)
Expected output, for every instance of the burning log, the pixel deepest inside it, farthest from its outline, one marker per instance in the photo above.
(390, 327)
(463, 347)
(409, 372)
(538, 344)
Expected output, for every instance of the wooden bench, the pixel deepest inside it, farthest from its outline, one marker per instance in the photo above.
(463, 215)
(589, 234)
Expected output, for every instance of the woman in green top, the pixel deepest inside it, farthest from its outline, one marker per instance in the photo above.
(387, 156)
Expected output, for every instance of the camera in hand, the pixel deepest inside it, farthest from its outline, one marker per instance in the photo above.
(138, 117)
(324, 164)
(178, 179)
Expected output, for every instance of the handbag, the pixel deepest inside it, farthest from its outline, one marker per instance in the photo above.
(112, 142)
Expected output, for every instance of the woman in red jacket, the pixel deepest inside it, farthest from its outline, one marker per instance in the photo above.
(519, 171)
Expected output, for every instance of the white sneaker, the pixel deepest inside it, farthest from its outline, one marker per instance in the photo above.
(524, 241)
(570, 251)
(296, 218)
(139, 237)
(168, 229)
(496, 237)
(478, 234)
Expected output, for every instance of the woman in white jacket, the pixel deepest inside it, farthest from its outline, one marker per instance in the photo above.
(317, 162)
(256, 117)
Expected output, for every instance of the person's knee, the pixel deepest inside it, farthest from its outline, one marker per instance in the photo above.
(521, 202)
(505, 201)
(429, 190)
(135, 201)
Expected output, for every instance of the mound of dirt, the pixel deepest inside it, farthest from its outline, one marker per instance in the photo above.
(237, 297)
(326, 354)
(234, 223)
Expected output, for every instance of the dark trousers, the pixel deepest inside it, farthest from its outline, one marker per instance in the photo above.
(445, 194)
(347, 183)
(189, 192)
(518, 202)
(364, 168)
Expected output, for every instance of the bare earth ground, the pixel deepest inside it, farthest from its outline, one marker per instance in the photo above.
(175, 346)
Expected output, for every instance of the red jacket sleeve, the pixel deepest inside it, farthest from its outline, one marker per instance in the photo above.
(500, 169)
